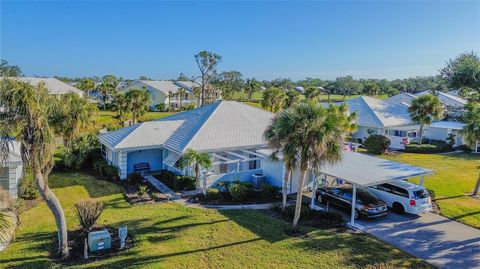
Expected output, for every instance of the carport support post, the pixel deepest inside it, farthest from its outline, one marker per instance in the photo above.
(314, 190)
(354, 200)
(422, 180)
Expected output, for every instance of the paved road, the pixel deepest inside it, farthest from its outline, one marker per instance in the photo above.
(440, 241)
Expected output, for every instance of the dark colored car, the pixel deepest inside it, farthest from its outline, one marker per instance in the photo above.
(367, 204)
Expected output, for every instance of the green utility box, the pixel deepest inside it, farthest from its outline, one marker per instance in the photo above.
(99, 240)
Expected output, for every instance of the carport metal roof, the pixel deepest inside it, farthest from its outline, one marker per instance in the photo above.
(364, 170)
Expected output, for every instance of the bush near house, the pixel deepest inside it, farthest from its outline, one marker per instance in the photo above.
(429, 146)
(104, 170)
(321, 219)
(377, 144)
(237, 192)
(135, 178)
(176, 183)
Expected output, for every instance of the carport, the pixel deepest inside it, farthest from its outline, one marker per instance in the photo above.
(361, 171)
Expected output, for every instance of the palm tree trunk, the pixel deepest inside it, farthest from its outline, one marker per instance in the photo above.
(197, 176)
(421, 134)
(286, 178)
(298, 203)
(54, 205)
(477, 187)
(104, 101)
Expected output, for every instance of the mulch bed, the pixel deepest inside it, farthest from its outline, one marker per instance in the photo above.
(312, 222)
(76, 244)
(152, 196)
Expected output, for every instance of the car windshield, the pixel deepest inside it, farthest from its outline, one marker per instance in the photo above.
(421, 194)
(363, 196)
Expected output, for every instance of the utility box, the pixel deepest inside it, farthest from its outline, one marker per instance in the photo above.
(99, 240)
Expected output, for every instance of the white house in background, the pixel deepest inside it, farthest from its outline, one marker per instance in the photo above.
(231, 132)
(159, 92)
(403, 97)
(11, 170)
(54, 86)
(390, 119)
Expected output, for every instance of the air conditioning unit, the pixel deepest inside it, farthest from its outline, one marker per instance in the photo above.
(258, 180)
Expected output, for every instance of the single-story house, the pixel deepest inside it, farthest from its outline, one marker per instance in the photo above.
(166, 92)
(11, 170)
(403, 97)
(447, 99)
(231, 132)
(376, 116)
(446, 131)
(54, 86)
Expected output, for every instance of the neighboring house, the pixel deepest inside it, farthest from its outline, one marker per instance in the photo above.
(447, 99)
(231, 132)
(11, 170)
(54, 86)
(449, 131)
(376, 116)
(159, 91)
(404, 97)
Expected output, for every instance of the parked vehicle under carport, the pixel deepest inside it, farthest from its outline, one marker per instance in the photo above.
(367, 205)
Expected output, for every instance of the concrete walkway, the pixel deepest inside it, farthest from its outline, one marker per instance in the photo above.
(162, 188)
(440, 241)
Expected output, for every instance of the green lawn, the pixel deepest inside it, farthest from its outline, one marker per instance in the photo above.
(174, 236)
(455, 176)
(106, 117)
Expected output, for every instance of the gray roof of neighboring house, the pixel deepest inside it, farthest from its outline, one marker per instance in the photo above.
(14, 153)
(221, 125)
(446, 97)
(165, 86)
(53, 85)
(373, 112)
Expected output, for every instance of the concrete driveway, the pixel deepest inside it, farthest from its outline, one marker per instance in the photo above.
(440, 241)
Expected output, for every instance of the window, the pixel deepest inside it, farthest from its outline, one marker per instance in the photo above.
(223, 167)
(385, 187)
(400, 191)
(421, 194)
(104, 151)
(252, 164)
(4, 178)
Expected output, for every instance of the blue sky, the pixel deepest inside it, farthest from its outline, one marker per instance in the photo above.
(261, 39)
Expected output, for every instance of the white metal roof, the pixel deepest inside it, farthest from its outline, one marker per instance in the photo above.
(455, 125)
(365, 170)
(53, 85)
(223, 124)
(164, 86)
(374, 112)
(446, 98)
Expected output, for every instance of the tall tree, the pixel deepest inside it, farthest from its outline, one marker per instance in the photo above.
(26, 112)
(273, 99)
(347, 86)
(180, 95)
(121, 107)
(108, 86)
(310, 136)
(7, 70)
(207, 62)
(312, 93)
(463, 72)
(71, 114)
(139, 103)
(230, 82)
(86, 85)
(424, 110)
(251, 86)
(198, 160)
(170, 96)
(471, 131)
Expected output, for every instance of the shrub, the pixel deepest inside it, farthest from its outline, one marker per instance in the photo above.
(213, 194)
(161, 108)
(437, 147)
(135, 178)
(88, 212)
(27, 189)
(188, 107)
(269, 192)
(111, 173)
(331, 218)
(381, 265)
(99, 167)
(305, 212)
(83, 150)
(168, 178)
(238, 191)
(185, 183)
(377, 144)
(142, 190)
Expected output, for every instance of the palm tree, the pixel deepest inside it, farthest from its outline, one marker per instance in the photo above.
(198, 160)
(251, 86)
(310, 136)
(424, 110)
(139, 103)
(273, 99)
(108, 86)
(26, 112)
(180, 94)
(121, 107)
(170, 94)
(87, 85)
(471, 132)
(72, 114)
(6, 227)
